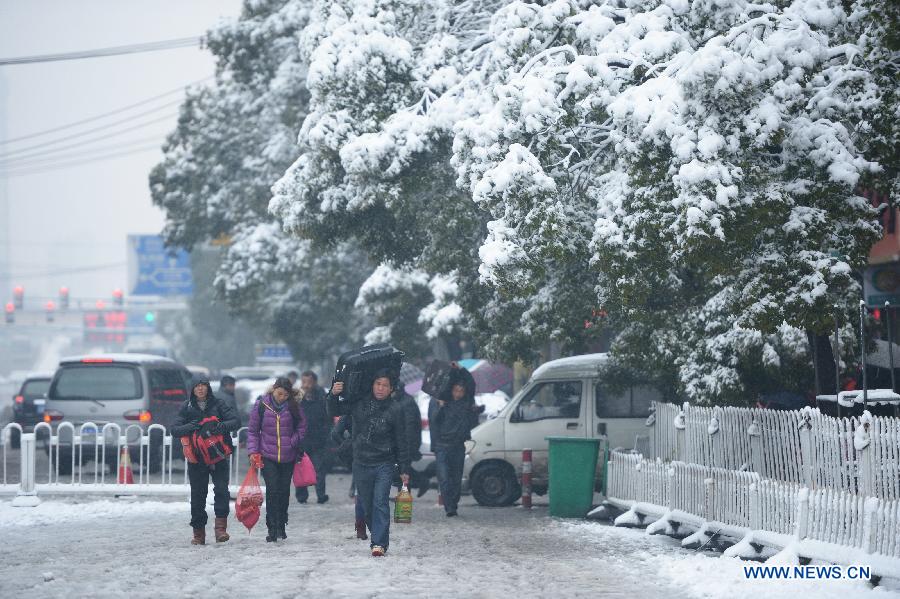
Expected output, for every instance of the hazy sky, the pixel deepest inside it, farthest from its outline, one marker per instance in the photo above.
(78, 217)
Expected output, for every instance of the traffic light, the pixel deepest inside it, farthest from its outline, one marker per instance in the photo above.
(10, 312)
(118, 297)
(63, 298)
(149, 316)
(19, 297)
(101, 305)
(51, 308)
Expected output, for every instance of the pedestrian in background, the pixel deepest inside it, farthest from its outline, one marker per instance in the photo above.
(274, 441)
(317, 432)
(379, 446)
(342, 437)
(451, 419)
(226, 393)
(200, 405)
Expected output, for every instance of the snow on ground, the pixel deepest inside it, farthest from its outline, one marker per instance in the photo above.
(711, 576)
(141, 549)
(111, 548)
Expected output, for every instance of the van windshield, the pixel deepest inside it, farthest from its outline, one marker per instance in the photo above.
(105, 381)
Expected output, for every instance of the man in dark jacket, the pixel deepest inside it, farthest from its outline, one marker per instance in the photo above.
(317, 431)
(451, 419)
(226, 393)
(379, 445)
(203, 404)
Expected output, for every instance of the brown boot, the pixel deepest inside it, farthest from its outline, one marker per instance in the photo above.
(361, 530)
(199, 537)
(221, 535)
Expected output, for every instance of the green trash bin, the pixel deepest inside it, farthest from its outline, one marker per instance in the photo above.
(573, 465)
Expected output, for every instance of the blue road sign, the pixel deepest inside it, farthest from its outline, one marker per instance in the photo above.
(155, 270)
(273, 352)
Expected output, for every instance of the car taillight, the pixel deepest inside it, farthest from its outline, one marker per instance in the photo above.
(142, 416)
(97, 361)
(20, 399)
(52, 416)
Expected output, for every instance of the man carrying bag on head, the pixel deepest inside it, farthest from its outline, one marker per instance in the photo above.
(379, 445)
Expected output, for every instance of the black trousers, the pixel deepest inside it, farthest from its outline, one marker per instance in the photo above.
(199, 475)
(321, 462)
(278, 491)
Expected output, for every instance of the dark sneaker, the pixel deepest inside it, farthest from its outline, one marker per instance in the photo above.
(322, 499)
(422, 490)
(451, 514)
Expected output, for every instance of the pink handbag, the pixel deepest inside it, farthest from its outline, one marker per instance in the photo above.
(304, 472)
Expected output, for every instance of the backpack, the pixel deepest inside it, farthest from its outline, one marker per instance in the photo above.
(211, 447)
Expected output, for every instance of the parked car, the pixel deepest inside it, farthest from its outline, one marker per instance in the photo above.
(567, 397)
(125, 389)
(28, 403)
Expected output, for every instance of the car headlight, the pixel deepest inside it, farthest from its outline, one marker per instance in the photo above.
(470, 445)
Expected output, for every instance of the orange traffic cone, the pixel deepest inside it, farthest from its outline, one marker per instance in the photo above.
(125, 475)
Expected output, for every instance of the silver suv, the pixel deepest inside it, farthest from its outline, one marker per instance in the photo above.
(125, 389)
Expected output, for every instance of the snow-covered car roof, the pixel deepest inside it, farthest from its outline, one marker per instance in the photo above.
(586, 365)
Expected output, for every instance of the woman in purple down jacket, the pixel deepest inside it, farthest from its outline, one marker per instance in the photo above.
(274, 437)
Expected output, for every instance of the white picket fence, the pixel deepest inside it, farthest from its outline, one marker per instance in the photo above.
(91, 458)
(801, 483)
(858, 455)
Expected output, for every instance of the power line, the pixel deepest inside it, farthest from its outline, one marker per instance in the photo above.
(53, 273)
(36, 170)
(103, 115)
(55, 156)
(15, 154)
(182, 42)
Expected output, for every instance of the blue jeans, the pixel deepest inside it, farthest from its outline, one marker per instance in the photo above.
(449, 465)
(374, 486)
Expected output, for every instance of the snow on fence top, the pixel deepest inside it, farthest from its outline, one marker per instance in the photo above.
(858, 454)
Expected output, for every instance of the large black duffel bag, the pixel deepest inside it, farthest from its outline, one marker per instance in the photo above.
(357, 368)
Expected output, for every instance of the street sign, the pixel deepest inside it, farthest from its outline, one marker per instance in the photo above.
(155, 270)
(882, 284)
(274, 352)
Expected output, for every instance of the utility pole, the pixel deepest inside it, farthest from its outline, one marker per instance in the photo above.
(5, 227)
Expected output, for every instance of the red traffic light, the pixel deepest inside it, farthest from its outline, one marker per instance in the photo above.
(10, 307)
(101, 305)
(118, 297)
(50, 306)
(117, 293)
(18, 296)
(19, 290)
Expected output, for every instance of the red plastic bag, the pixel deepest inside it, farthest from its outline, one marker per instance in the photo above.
(249, 500)
(304, 472)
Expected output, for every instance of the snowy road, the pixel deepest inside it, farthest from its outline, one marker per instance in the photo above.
(107, 548)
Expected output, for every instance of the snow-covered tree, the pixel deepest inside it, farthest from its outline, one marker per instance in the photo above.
(235, 138)
(704, 156)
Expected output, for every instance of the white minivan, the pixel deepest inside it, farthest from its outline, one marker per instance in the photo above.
(565, 397)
